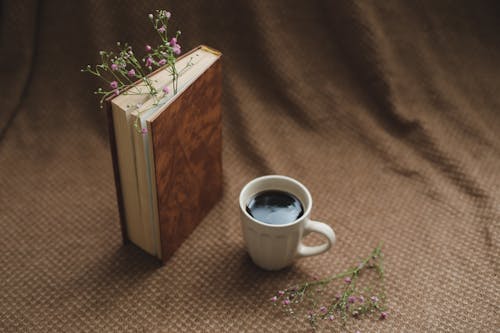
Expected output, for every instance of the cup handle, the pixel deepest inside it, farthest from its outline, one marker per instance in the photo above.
(321, 228)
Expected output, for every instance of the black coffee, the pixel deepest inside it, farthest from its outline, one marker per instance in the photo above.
(275, 207)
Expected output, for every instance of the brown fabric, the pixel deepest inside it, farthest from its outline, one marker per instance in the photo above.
(387, 111)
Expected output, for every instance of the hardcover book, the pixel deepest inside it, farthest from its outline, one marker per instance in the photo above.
(167, 154)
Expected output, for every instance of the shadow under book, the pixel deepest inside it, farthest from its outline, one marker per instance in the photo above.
(168, 178)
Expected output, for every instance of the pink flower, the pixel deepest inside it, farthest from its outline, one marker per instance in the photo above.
(116, 92)
(374, 299)
(347, 280)
(177, 49)
(131, 73)
(113, 84)
(361, 299)
(337, 297)
(167, 15)
(162, 29)
(166, 90)
(274, 298)
(281, 293)
(162, 62)
(144, 130)
(148, 48)
(331, 317)
(114, 67)
(383, 315)
(173, 41)
(351, 299)
(323, 309)
(149, 62)
(286, 302)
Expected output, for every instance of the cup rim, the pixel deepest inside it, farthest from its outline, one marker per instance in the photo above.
(262, 178)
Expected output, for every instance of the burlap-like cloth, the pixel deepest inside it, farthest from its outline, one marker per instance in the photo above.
(388, 111)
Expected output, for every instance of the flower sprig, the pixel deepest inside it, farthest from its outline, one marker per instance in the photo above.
(121, 70)
(352, 301)
(167, 51)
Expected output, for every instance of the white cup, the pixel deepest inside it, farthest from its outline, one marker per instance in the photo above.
(273, 247)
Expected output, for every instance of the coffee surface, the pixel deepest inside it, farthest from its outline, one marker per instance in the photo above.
(275, 207)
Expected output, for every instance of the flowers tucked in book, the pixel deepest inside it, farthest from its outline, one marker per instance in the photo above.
(121, 70)
(165, 130)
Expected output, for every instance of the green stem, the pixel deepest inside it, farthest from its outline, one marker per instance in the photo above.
(136, 65)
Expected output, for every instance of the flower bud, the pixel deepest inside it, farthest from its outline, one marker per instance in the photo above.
(177, 49)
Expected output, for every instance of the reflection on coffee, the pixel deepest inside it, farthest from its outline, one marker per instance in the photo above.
(275, 207)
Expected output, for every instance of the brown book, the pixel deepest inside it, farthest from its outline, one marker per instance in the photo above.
(168, 178)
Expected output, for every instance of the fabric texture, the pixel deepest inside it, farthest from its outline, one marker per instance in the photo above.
(388, 111)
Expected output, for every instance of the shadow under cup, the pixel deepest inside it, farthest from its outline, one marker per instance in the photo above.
(273, 247)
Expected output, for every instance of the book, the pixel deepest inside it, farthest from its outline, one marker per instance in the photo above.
(167, 154)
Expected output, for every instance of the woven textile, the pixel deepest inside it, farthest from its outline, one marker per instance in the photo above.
(387, 111)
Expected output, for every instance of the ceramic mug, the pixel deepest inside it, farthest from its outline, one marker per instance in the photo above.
(273, 247)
